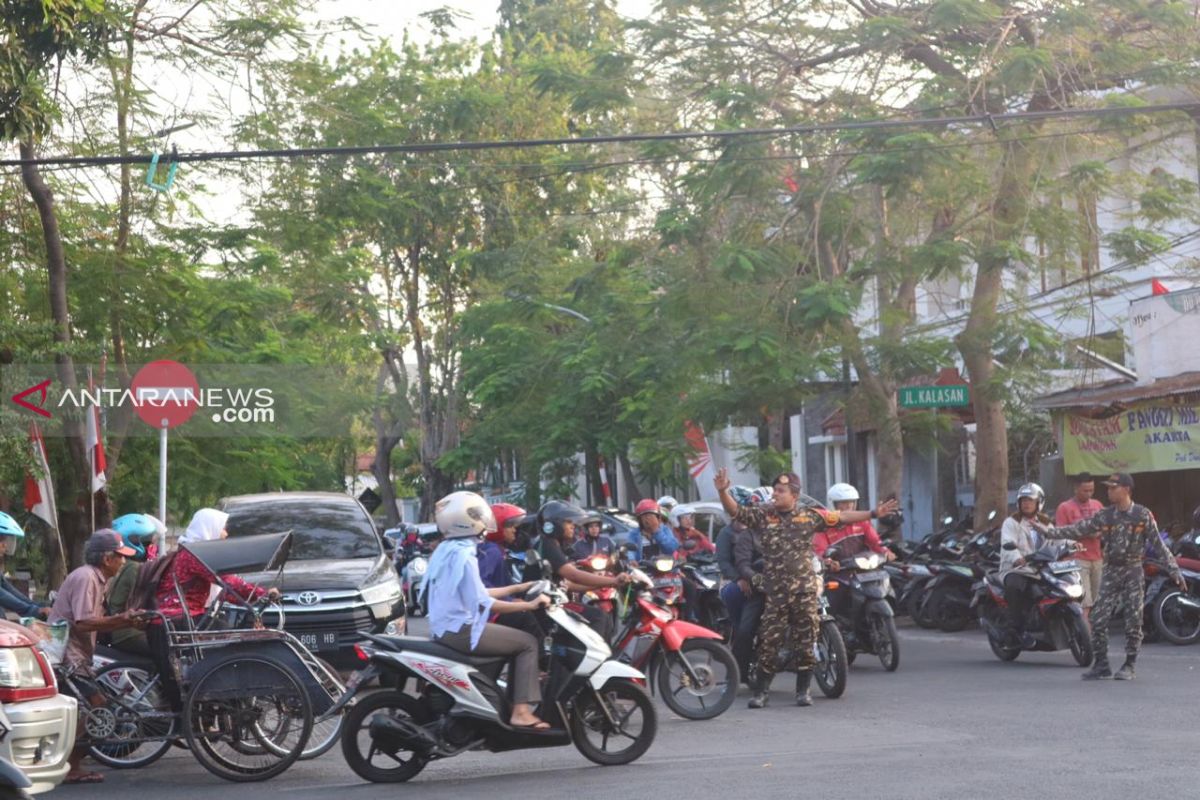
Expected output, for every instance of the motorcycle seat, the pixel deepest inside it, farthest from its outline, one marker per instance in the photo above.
(133, 659)
(416, 644)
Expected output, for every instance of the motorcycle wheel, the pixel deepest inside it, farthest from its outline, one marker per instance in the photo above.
(632, 710)
(359, 750)
(919, 607)
(886, 641)
(717, 670)
(1003, 652)
(1177, 624)
(947, 616)
(1080, 641)
(832, 662)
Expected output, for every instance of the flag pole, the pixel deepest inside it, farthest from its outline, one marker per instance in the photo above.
(162, 479)
(91, 482)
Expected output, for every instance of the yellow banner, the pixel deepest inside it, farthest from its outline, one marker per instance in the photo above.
(1149, 437)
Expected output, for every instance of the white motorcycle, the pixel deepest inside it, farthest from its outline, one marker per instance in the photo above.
(590, 700)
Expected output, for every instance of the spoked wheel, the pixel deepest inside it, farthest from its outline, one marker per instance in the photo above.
(706, 690)
(1080, 640)
(886, 641)
(1177, 618)
(325, 733)
(248, 719)
(140, 712)
(832, 663)
(377, 759)
(615, 725)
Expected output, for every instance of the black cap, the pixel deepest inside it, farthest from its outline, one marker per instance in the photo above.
(105, 541)
(1120, 479)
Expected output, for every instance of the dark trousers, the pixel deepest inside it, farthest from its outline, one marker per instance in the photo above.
(1016, 594)
(743, 636)
(160, 652)
(498, 640)
(734, 600)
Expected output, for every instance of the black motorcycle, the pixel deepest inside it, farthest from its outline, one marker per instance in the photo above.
(1055, 620)
(858, 596)
(702, 575)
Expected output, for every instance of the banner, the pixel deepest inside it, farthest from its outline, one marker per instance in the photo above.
(700, 465)
(1155, 436)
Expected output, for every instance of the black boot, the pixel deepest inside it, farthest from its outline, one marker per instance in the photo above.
(1100, 670)
(761, 689)
(1125, 673)
(803, 684)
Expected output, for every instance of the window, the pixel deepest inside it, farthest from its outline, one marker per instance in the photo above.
(835, 462)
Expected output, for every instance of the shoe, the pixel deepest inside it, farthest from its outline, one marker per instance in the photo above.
(803, 687)
(1125, 673)
(1098, 672)
(759, 700)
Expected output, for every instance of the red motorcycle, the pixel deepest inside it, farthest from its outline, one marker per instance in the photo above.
(604, 598)
(691, 667)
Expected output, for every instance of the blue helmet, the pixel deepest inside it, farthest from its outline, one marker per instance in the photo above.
(138, 531)
(9, 526)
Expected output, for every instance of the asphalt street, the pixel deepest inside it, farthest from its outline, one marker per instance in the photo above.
(952, 722)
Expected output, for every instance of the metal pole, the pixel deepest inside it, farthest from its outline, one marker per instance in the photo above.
(162, 482)
(91, 480)
(850, 471)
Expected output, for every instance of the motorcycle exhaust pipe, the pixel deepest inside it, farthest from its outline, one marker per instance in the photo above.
(392, 735)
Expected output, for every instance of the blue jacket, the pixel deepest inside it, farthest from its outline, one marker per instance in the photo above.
(491, 566)
(664, 541)
(11, 599)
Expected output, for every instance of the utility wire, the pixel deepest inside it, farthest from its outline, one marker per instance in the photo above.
(627, 138)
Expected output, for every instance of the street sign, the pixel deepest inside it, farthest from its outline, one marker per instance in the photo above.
(955, 396)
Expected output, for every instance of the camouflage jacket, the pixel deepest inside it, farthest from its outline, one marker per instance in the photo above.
(785, 541)
(1125, 536)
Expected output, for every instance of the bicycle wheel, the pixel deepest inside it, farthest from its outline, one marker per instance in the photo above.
(143, 726)
(247, 719)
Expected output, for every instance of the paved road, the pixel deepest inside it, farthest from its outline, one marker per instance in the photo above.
(953, 722)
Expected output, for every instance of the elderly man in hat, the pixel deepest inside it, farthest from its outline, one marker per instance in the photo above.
(1126, 529)
(784, 530)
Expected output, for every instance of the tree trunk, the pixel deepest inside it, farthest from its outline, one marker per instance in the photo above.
(72, 526)
(635, 491)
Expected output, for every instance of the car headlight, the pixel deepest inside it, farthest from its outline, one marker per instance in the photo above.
(664, 564)
(396, 627)
(1074, 590)
(418, 567)
(386, 591)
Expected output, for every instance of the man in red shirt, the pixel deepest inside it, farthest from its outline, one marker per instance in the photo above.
(1091, 564)
(851, 538)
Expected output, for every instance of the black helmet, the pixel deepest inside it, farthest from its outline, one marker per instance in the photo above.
(552, 515)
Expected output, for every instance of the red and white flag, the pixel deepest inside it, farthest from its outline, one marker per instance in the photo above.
(95, 447)
(604, 480)
(700, 464)
(39, 492)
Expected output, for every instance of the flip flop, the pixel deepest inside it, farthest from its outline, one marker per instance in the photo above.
(86, 777)
(540, 725)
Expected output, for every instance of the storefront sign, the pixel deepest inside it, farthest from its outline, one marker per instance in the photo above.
(1149, 437)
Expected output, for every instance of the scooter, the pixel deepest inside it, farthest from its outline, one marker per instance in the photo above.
(858, 594)
(703, 573)
(412, 578)
(1056, 617)
(590, 700)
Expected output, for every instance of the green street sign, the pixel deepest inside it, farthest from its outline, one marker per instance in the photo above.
(934, 396)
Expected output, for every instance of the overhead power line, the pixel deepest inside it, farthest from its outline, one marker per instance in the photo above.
(626, 138)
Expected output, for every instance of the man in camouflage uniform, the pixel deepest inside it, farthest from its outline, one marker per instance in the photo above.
(1126, 529)
(784, 532)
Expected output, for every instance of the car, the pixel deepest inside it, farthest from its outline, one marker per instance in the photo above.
(708, 517)
(615, 523)
(41, 721)
(338, 582)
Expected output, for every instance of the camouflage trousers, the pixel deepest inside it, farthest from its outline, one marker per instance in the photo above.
(1122, 587)
(790, 621)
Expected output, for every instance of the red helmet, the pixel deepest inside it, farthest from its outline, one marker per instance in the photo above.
(648, 506)
(504, 513)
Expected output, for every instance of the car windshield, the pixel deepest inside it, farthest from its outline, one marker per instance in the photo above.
(628, 520)
(322, 530)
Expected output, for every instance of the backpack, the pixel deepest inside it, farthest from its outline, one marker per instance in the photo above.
(143, 595)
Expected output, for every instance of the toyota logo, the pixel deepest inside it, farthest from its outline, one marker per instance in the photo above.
(308, 598)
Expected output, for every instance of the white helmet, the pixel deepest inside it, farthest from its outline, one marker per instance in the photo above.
(762, 495)
(463, 514)
(840, 492)
(666, 503)
(1034, 491)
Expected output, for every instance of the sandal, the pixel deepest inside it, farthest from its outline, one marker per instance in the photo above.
(540, 725)
(85, 777)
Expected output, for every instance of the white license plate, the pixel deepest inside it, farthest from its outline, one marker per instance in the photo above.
(319, 641)
(875, 575)
(1063, 566)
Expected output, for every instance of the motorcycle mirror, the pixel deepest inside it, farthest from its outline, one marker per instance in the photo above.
(1009, 546)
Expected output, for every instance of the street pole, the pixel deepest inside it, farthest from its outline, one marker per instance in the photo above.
(850, 471)
(162, 483)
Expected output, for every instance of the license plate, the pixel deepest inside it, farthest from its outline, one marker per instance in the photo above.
(1063, 566)
(319, 641)
(876, 575)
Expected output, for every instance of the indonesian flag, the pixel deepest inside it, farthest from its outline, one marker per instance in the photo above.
(95, 446)
(1158, 287)
(39, 492)
(700, 464)
(604, 480)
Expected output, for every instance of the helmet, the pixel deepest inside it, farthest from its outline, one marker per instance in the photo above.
(840, 492)
(138, 531)
(648, 506)
(741, 494)
(1034, 491)
(461, 515)
(504, 513)
(761, 495)
(9, 526)
(666, 502)
(552, 516)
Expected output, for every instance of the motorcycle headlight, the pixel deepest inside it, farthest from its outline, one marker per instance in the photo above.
(664, 564)
(867, 562)
(599, 563)
(418, 566)
(1074, 591)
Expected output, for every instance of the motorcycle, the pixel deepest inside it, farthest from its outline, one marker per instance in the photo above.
(590, 700)
(1176, 612)
(412, 579)
(968, 558)
(704, 574)
(1055, 618)
(696, 674)
(858, 594)
(604, 598)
